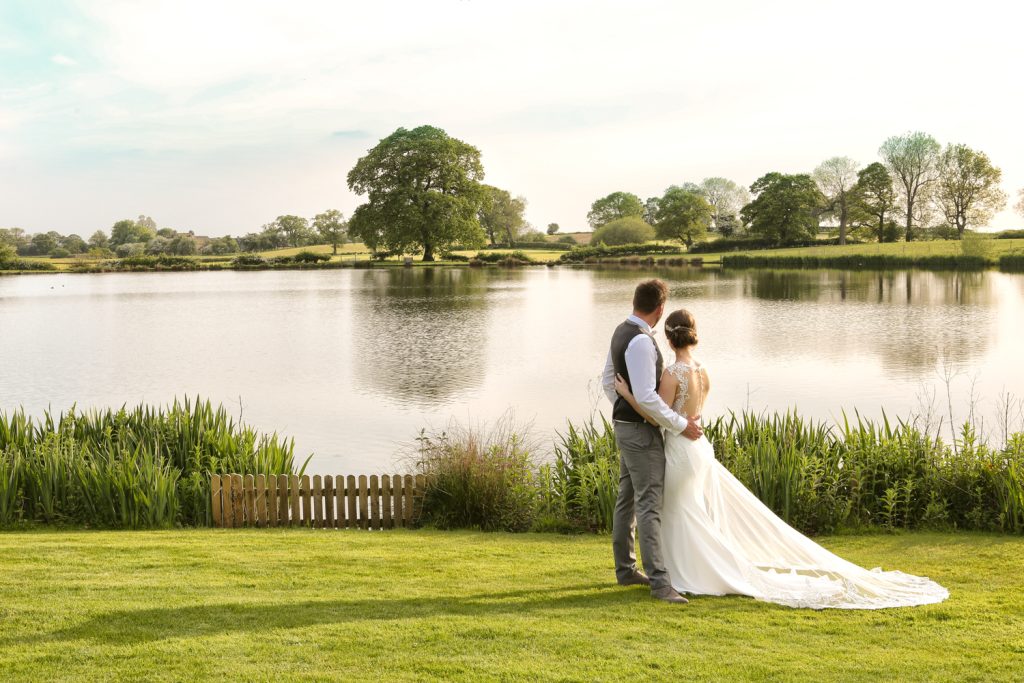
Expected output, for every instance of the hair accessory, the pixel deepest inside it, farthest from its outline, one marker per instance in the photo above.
(676, 328)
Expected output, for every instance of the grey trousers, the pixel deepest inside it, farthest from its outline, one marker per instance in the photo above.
(641, 483)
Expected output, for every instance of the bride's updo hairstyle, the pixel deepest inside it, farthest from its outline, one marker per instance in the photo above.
(681, 329)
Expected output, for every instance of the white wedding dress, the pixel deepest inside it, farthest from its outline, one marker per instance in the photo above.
(719, 539)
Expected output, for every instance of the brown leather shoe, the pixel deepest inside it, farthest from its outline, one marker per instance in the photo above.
(669, 595)
(636, 579)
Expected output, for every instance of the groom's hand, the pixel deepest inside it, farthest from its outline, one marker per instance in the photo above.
(693, 430)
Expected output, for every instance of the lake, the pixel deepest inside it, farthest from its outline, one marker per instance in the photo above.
(353, 363)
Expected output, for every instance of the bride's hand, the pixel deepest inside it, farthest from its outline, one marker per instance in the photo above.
(621, 387)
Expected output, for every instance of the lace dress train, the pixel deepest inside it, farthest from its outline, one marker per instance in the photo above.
(719, 539)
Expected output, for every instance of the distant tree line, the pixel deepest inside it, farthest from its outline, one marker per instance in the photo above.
(918, 188)
(425, 194)
(328, 227)
(142, 237)
(126, 238)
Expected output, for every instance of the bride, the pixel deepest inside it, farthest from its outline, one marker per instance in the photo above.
(719, 539)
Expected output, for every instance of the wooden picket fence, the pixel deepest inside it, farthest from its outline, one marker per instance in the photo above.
(327, 502)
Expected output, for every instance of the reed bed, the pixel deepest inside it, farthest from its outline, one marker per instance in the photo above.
(857, 261)
(873, 474)
(149, 467)
(820, 478)
(1012, 263)
(141, 467)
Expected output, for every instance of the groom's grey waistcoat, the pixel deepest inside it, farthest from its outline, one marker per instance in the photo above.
(621, 338)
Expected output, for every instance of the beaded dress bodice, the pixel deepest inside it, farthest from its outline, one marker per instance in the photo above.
(681, 371)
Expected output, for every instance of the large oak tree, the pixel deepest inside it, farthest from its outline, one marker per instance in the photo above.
(423, 193)
(785, 208)
(874, 200)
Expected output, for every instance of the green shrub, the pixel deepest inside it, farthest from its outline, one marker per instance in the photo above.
(311, 257)
(249, 262)
(7, 253)
(584, 253)
(515, 258)
(25, 264)
(477, 479)
(157, 262)
(976, 245)
(628, 230)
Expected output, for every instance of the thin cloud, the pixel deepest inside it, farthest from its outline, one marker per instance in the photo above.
(63, 60)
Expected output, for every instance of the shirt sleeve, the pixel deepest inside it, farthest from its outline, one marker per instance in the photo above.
(608, 379)
(641, 361)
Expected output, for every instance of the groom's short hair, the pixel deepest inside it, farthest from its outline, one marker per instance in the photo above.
(648, 295)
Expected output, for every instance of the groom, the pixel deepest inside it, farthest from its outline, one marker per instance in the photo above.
(635, 355)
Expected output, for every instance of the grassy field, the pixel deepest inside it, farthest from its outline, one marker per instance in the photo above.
(931, 248)
(345, 251)
(424, 605)
(359, 252)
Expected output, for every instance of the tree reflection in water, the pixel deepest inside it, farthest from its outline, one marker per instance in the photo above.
(420, 334)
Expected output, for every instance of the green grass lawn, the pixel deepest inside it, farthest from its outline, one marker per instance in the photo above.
(424, 605)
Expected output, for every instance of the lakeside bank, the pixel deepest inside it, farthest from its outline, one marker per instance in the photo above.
(1006, 255)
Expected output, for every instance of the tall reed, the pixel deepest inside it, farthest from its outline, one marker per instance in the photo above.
(820, 477)
(140, 467)
(478, 478)
(586, 475)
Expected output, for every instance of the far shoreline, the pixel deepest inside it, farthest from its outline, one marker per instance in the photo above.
(1004, 255)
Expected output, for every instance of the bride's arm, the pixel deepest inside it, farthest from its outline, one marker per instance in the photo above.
(622, 388)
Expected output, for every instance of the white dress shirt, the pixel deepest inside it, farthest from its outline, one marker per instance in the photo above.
(641, 362)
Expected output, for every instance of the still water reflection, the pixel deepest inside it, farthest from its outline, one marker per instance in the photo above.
(352, 363)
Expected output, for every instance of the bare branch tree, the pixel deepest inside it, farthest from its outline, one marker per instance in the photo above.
(912, 159)
(836, 178)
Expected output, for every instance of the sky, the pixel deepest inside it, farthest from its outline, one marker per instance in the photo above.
(218, 116)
